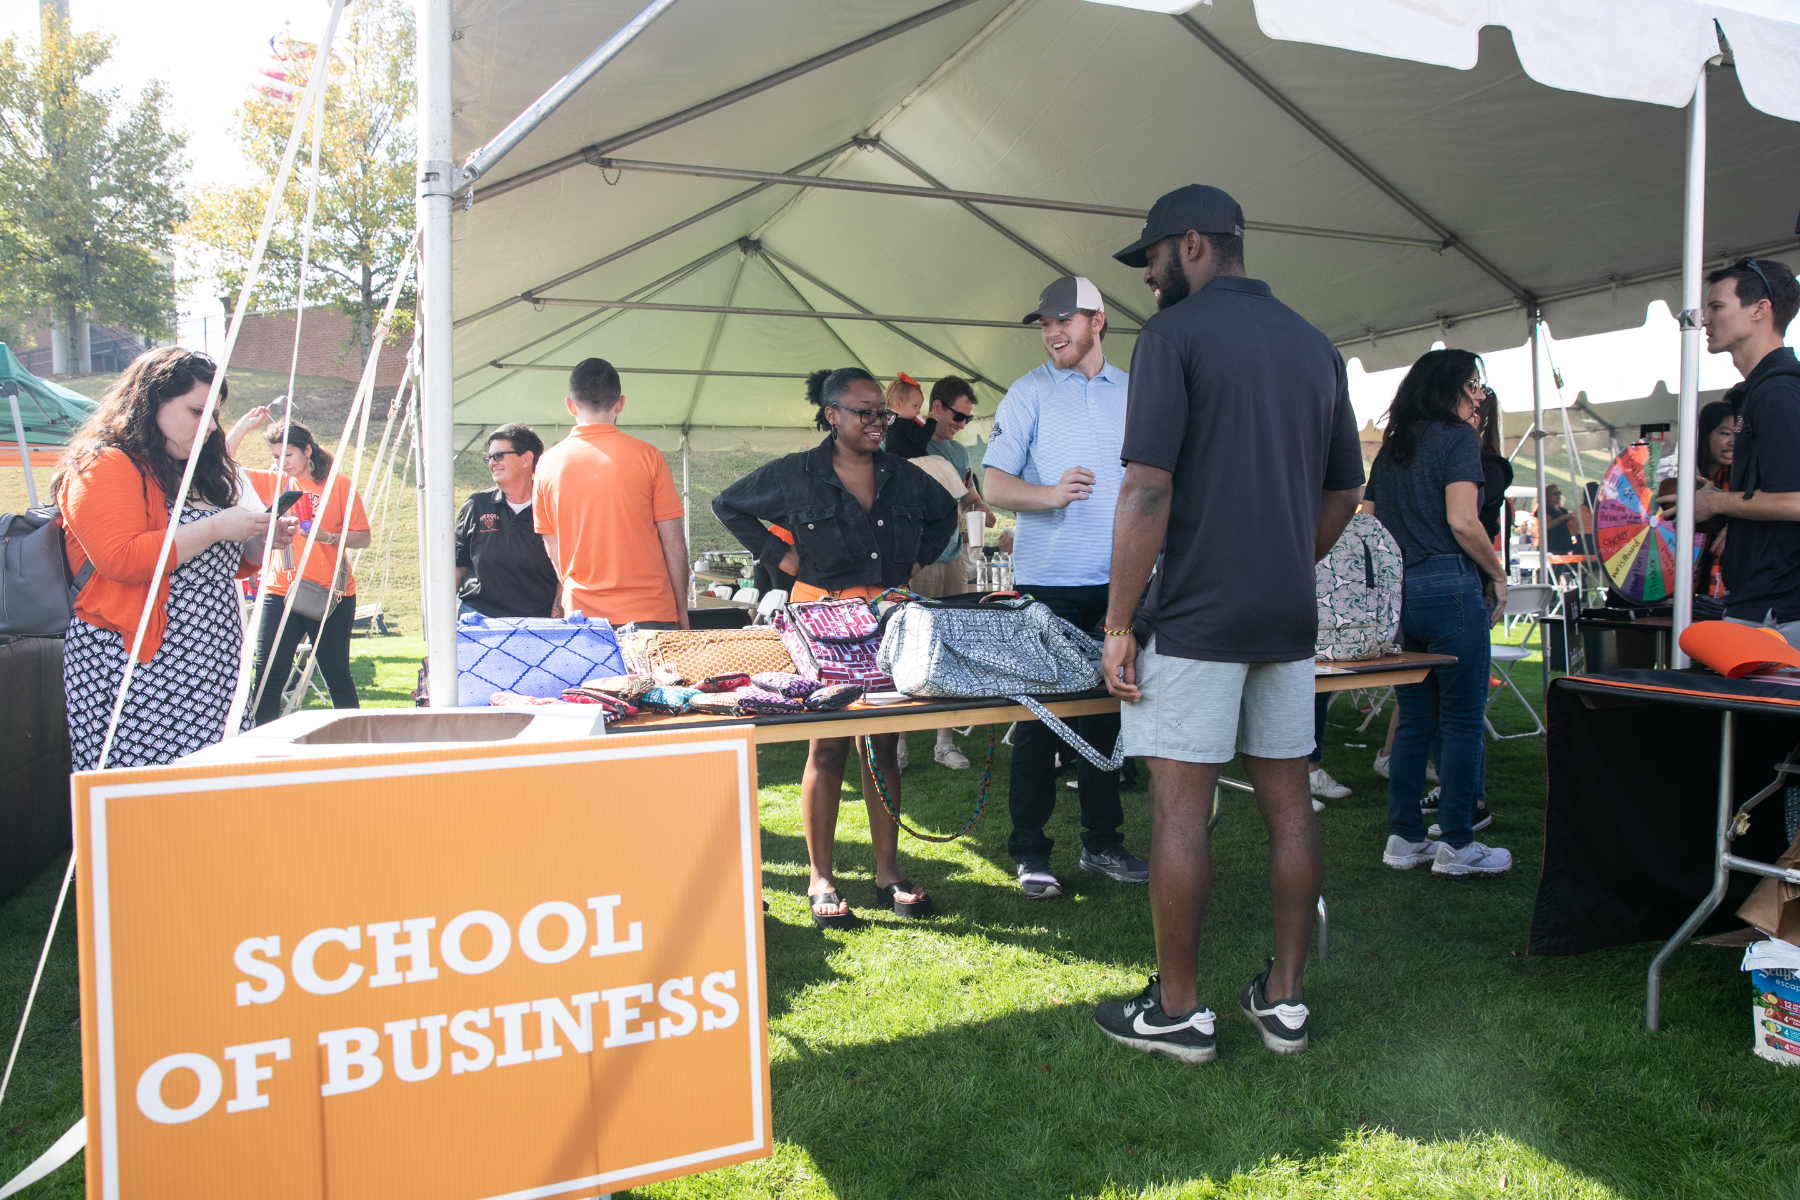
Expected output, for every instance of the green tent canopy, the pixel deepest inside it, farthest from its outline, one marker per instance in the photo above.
(49, 412)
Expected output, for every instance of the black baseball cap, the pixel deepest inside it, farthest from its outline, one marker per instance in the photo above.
(1197, 207)
(1066, 297)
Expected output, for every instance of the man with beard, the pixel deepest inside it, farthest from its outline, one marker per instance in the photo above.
(1054, 460)
(1242, 468)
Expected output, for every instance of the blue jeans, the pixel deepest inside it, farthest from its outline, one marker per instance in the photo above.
(1443, 612)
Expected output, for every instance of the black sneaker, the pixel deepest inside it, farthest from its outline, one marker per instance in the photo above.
(1283, 1024)
(1117, 863)
(1141, 1024)
(1430, 803)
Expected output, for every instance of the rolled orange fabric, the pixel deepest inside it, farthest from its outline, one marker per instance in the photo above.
(1737, 650)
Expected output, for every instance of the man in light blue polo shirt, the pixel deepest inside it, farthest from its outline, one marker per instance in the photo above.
(1054, 460)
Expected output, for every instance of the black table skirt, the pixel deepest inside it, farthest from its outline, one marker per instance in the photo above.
(1632, 804)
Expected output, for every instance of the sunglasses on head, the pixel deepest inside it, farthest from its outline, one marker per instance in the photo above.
(1749, 264)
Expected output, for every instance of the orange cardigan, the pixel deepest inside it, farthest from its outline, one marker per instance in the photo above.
(117, 515)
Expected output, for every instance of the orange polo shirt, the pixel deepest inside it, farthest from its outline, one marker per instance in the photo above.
(600, 493)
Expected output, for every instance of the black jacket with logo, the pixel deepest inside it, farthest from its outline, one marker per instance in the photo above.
(510, 575)
(840, 545)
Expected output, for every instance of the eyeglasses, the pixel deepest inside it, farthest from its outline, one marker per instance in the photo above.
(1749, 264)
(499, 455)
(961, 418)
(867, 416)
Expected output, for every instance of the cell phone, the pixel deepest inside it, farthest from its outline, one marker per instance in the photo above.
(284, 502)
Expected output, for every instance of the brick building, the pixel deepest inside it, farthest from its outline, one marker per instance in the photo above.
(327, 347)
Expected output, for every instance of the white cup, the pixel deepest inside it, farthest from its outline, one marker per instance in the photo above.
(977, 528)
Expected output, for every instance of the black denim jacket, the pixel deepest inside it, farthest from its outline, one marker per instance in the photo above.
(840, 545)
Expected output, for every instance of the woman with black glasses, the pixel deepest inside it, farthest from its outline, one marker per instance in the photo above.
(862, 521)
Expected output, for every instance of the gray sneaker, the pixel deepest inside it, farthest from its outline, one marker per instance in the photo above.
(1403, 855)
(1036, 881)
(1472, 859)
(1117, 863)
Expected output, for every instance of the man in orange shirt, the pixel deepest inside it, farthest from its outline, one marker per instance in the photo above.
(609, 512)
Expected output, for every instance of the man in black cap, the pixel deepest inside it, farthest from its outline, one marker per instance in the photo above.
(1242, 468)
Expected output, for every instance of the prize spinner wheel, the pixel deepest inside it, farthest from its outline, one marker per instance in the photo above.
(1636, 543)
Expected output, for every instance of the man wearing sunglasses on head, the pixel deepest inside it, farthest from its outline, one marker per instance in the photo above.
(501, 567)
(1748, 307)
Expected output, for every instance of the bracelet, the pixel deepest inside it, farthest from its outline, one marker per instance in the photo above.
(1115, 632)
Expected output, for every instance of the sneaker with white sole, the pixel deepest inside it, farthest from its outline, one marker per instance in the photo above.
(1283, 1024)
(1318, 805)
(948, 755)
(1483, 818)
(1324, 785)
(1403, 855)
(1036, 881)
(1117, 863)
(1472, 859)
(1141, 1023)
(1430, 803)
(1381, 769)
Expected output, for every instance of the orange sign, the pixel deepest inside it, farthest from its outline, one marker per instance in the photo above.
(491, 972)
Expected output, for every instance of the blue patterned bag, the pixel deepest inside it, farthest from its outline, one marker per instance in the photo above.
(533, 656)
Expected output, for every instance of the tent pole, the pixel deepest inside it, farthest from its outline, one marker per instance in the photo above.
(687, 513)
(437, 178)
(1692, 235)
(1543, 508)
(484, 159)
(12, 390)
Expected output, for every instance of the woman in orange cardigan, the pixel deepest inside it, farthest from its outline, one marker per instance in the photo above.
(114, 488)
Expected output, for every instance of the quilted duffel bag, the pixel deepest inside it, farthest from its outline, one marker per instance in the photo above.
(1013, 648)
(833, 641)
(533, 656)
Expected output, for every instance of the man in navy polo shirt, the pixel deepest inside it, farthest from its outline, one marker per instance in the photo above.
(1242, 468)
(1054, 460)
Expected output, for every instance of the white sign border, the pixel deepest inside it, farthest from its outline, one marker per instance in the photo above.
(96, 865)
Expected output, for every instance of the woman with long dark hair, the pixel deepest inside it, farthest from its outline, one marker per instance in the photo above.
(115, 486)
(1717, 442)
(1426, 485)
(303, 466)
(862, 521)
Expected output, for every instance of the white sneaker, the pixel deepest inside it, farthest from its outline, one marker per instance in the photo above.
(1324, 785)
(900, 753)
(1381, 769)
(1483, 818)
(1403, 855)
(948, 755)
(1318, 805)
(1472, 859)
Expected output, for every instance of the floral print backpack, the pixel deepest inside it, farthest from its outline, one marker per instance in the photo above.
(1358, 587)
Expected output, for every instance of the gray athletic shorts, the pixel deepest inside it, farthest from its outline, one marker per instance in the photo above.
(1195, 711)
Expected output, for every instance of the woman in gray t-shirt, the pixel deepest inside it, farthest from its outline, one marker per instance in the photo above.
(1425, 487)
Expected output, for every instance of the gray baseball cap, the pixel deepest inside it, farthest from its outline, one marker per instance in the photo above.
(1066, 297)
(1197, 207)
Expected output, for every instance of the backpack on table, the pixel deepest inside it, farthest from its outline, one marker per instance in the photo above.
(1358, 588)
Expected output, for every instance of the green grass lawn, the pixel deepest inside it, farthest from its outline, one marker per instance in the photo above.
(958, 1058)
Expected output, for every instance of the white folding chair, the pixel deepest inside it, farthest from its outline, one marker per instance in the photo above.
(765, 608)
(1530, 602)
(745, 596)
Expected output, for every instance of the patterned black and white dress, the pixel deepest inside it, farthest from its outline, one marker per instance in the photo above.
(179, 699)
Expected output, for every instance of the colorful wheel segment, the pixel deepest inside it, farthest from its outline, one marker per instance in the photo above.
(1636, 543)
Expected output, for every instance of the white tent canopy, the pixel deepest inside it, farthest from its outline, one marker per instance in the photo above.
(1474, 192)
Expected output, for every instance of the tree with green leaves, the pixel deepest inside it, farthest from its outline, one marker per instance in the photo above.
(364, 214)
(90, 189)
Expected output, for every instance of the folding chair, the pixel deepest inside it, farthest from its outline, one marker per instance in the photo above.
(745, 596)
(1530, 602)
(765, 607)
